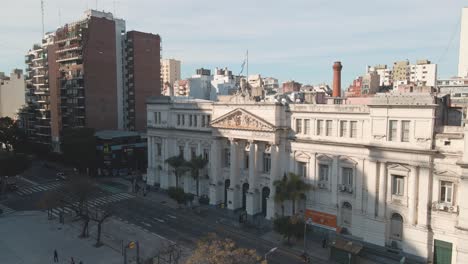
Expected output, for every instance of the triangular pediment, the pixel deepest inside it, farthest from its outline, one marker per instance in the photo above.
(242, 119)
(398, 167)
(445, 173)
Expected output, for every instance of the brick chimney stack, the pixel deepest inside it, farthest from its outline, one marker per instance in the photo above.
(337, 79)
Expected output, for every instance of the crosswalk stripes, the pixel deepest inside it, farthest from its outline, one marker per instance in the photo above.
(39, 188)
(97, 202)
(6, 209)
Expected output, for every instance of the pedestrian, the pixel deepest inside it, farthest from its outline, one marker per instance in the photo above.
(72, 261)
(55, 256)
(324, 243)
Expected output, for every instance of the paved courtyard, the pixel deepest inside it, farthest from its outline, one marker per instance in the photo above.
(28, 237)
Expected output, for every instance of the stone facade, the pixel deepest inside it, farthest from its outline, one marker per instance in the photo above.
(389, 172)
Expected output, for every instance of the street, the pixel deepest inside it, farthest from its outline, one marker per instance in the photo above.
(184, 226)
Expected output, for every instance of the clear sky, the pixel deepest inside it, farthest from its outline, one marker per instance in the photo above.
(295, 39)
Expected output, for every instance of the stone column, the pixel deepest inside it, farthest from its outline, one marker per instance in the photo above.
(187, 177)
(149, 171)
(252, 195)
(234, 190)
(215, 162)
(382, 189)
(371, 187)
(334, 181)
(359, 184)
(273, 177)
(412, 195)
(424, 195)
(463, 203)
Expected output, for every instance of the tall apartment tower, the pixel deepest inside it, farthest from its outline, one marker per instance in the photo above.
(84, 82)
(12, 95)
(463, 52)
(142, 76)
(170, 71)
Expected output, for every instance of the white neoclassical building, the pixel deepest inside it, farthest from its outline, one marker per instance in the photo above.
(389, 173)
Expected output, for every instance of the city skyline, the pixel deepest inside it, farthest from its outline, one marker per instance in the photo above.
(301, 48)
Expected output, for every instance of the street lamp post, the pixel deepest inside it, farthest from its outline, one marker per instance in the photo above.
(269, 252)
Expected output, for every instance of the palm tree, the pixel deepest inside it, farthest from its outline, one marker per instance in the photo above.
(196, 164)
(281, 194)
(179, 164)
(296, 188)
(291, 187)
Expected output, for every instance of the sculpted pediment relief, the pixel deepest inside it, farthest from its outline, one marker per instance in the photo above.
(241, 119)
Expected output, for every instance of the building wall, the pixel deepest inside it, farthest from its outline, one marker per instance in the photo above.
(146, 68)
(463, 52)
(12, 94)
(119, 56)
(100, 75)
(170, 69)
(378, 150)
(55, 96)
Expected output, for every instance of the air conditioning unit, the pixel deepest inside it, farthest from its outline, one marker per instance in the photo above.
(453, 209)
(321, 185)
(349, 189)
(442, 207)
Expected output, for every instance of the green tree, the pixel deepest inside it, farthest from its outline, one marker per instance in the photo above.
(196, 164)
(289, 226)
(10, 166)
(179, 165)
(177, 194)
(79, 147)
(281, 194)
(11, 136)
(291, 187)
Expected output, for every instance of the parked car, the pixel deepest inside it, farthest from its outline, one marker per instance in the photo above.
(62, 176)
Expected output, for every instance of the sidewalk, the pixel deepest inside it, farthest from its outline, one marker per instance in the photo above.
(28, 237)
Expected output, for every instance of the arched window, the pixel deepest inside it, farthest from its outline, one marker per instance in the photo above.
(396, 226)
(346, 214)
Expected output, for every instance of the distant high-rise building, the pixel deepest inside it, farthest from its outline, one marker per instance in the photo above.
(12, 96)
(170, 70)
(82, 75)
(463, 52)
(141, 75)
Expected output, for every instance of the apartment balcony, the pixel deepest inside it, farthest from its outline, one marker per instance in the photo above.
(70, 47)
(67, 38)
(69, 57)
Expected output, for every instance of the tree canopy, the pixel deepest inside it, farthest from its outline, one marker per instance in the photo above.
(179, 165)
(214, 250)
(291, 187)
(11, 136)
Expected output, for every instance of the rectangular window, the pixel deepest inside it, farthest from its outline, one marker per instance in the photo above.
(178, 120)
(183, 120)
(347, 176)
(246, 160)
(398, 185)
(405, 126)
(227, 158)
(392, 130)
(206, 154)
(195, 121)
(302, 169)
(193, 153)
(298, 126)
(181, 151)
(323, 172)
(446, 192)
(156, 120)
(266, 162)
(158, 149)
(202, 121)
(329, 127)
(190, 120)
(306, 126)
(208, 120)
(343, 128)
(319, 127)
(159, 118)
(353, 128)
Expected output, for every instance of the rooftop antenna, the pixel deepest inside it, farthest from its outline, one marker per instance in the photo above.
(42, 13)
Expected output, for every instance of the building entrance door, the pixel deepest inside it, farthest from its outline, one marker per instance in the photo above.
(227, 183)
(442, 252)
(265, 195)
(245, 188)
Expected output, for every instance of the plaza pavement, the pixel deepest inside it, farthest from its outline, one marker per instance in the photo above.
(29, 237)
